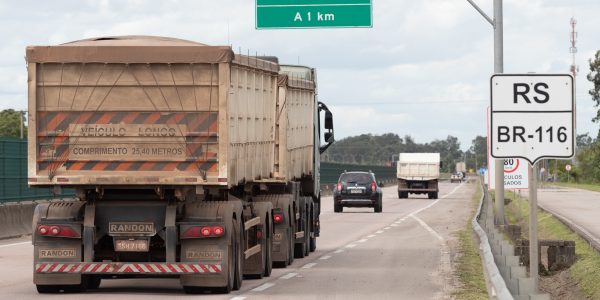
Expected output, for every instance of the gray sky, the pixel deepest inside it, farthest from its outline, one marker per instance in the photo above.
(423, 69)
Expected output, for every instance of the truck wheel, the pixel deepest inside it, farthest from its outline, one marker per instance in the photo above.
(313, 237)
(399, 195)
(268, 250)
(93, 281)
(238, 262)
(53, 289)
(290, 246)
(435, 195)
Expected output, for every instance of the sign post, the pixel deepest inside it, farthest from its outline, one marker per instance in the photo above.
(532, 118)
(283, 14)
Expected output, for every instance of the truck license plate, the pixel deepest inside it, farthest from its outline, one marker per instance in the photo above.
(355, 191)
(131, 245)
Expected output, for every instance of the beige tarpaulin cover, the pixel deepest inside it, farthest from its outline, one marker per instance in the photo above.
(130, 49)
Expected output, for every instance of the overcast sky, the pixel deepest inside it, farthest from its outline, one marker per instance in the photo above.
(422, 70)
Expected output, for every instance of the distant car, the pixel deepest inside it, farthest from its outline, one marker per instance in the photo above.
(456, 177)
(357, 189)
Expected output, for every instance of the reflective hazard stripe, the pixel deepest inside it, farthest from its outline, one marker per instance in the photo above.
(119, 268)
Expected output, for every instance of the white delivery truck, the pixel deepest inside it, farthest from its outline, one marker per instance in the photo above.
(418, 173)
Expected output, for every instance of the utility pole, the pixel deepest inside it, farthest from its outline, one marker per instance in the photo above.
(498, 25)
(21, 117)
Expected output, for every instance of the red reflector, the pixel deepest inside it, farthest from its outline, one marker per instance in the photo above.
(218, 230)
(62, 179)
(32, 179)
(205, 231)
(277, 218)
(259, 234)
(43, 229)
(222, 179)
(373, 186)
(339, 186)
(194, 179)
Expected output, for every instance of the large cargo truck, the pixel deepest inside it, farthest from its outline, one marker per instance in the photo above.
(188, 160)
(418, 173)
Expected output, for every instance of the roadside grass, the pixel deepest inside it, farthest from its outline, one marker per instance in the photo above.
(585, 186)
(586, 270)
(469, 265)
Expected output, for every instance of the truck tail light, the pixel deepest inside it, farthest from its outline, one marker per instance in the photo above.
(373, 186)
(203, 231)
(43, 229)
(58, 231)
(277, 218)
(218, 231)
(339, 186)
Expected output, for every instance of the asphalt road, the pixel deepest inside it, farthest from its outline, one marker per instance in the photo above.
(406, 252)
(579, 207)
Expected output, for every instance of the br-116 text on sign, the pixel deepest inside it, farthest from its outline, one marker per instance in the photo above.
(532, 116)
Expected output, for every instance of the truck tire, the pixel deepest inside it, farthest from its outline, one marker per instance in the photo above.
(53, 289)
(291, 246)
(435, 195)
(313, 237)
(399, 195)
(93, 281)
(269, 260)
(238, 262)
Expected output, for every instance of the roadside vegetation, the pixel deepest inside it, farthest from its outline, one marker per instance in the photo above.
(586, 270)
(594, 187)
(469, 267)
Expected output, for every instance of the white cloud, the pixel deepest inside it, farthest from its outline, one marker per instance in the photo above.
(423, 69)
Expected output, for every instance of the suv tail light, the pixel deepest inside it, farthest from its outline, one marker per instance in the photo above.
(58, 231)
(373, 186)
(339, 186)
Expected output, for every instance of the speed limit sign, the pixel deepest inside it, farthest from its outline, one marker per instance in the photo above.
(568, 168)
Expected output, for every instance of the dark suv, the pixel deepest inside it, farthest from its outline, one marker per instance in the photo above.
(357, 189)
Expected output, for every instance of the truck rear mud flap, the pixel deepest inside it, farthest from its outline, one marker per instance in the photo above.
(117, 268)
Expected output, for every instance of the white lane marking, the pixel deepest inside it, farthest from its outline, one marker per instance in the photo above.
(14, 244)
(288, 275)
(309, 265)
(371, 235)
(339, 251)
(325, 257)
(350, 245)
(362, 241)
(386, 228)
(263, 287)
(433, 232)
(238, 298)
(379, 231)
(436, 201)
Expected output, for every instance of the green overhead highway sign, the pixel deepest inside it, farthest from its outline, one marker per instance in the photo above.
(272, 14)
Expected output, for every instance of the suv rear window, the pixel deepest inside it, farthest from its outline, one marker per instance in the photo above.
(360, 178)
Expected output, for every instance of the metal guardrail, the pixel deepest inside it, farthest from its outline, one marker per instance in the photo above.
(499, 289)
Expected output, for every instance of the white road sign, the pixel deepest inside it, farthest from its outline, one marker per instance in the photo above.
(515, 174)
(532, 116)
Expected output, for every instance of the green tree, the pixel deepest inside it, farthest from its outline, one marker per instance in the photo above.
(10, 124)
(594, 77)
(477, 153)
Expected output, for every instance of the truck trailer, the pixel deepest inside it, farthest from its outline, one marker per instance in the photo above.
(418, 173)
(188, 161)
